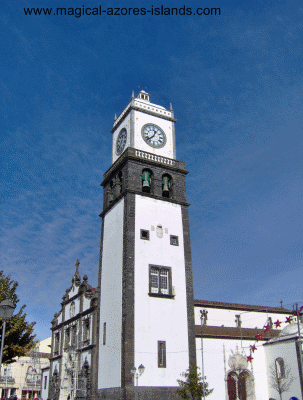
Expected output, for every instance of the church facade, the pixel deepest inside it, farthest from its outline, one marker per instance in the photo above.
(145, 328)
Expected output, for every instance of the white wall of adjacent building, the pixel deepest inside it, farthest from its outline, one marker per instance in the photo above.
(160, 319)
(216, 370)
(109, 374)
(287, 351)
(227, 317)
(45, 384)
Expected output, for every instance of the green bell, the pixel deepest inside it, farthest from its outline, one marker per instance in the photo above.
(165, 183)
(146, 179)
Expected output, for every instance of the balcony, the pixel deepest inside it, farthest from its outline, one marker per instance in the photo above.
(135, 154)
(7, 380)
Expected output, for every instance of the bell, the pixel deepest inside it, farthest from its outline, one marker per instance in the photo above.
(165, 184)
(146, 179)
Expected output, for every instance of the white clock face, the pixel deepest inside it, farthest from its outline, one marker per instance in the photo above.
(121, 141)
(153, 135)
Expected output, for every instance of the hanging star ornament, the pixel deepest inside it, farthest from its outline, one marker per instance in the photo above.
(249, 358)
(253, 348)
(258, 336)
(277, 323)
(288, 319)
(267, 328)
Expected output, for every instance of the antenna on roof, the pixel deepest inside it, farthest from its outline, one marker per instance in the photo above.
(142, 86)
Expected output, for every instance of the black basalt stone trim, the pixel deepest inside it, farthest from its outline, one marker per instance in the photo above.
(163, 296)
(143, 392)
(298, 350)
(89, 347)
(75, 318)
(111, 205)
(128, 316)
(56, 357)
(130, 154)
(95, 370)
(115, 393)
(189, 286)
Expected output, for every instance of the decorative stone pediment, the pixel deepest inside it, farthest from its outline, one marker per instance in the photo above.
(237, 361)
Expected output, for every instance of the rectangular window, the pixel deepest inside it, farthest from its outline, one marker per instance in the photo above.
(104, 334)
(161, 354)
(160, 280)
(174, 240)
(45, 382)
(144, 234)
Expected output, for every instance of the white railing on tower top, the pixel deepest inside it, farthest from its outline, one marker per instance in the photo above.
(153, 157)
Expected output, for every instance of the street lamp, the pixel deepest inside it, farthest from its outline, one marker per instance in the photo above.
(203, 320)
(141, 369)
(6, 312)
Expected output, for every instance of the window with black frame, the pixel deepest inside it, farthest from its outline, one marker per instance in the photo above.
(161, 354)
(160, 281)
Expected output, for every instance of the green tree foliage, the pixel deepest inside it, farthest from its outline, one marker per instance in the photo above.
(19, 338)
(192, 386)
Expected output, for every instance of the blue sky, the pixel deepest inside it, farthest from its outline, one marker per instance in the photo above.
(235, 82)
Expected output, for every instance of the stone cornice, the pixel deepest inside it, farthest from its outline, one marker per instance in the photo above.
(144, 157)
(141, 194)
(226, 332)
(147, 108)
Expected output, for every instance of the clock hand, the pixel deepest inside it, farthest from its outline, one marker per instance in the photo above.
(150, 137)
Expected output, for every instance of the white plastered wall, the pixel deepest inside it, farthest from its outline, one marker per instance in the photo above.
(86, 303)
(219, 316)
(44, 391)
(109, 372)
(156, 318)
(125, 124)
(214, 370)
(141, 119)
(287, 351)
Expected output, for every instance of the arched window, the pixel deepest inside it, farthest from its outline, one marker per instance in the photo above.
(147, 180)
(242, 386)
(232, 386)
(280, 368)
(166, 185)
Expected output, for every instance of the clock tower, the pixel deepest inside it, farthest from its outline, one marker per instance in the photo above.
(146, 314)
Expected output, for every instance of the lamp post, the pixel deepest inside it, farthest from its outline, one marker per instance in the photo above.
(6, 312)
(141, 369)
(202, 318)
